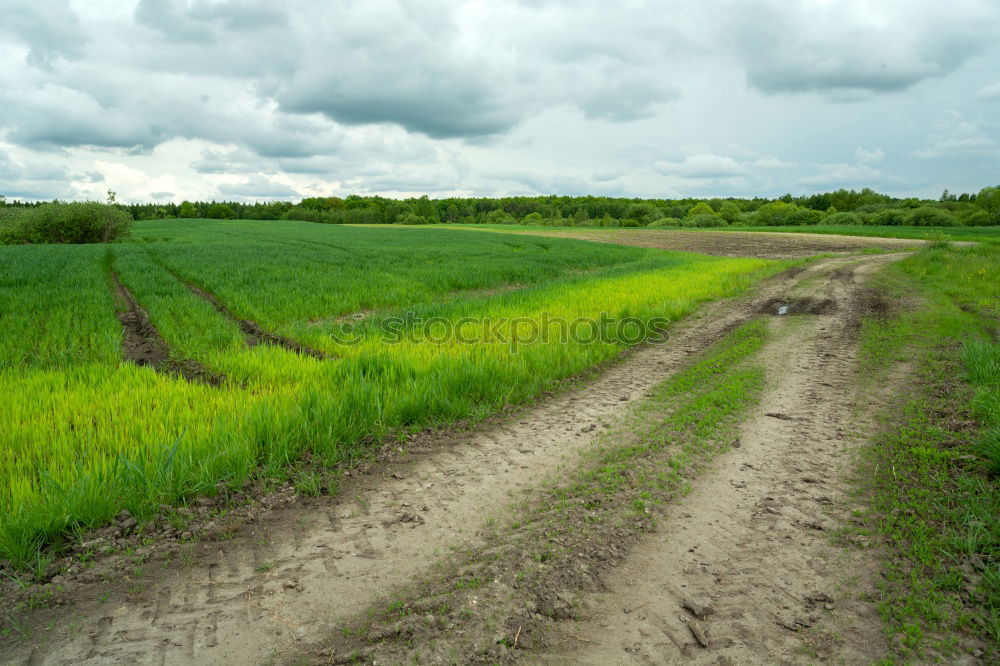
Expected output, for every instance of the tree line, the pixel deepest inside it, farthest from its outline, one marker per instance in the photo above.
(838, 207)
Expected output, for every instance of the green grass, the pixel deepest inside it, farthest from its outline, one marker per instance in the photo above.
(933, 474)
(86, 434)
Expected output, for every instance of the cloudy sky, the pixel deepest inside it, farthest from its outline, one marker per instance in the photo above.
(243, 99)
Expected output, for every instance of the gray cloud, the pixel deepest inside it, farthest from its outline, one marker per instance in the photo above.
(49, 28)
(540, 96)
(207, 21)
(20, 180)
(889, 47)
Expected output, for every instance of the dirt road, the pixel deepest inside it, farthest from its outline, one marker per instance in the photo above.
(763, 244)
(745, 570)
(755, 526)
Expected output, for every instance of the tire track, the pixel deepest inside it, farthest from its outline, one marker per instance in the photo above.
(752, 541)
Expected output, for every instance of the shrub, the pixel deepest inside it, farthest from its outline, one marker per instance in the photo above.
(705, 220)
(804, 216)
(773, 213)
(892, 217)
(989, 200)
(493, 217)
(532, 218)
(701, 208)
(842, 218)
(641, 214)
(980, 219)
(84, 222)
(729, 212)
(221, 211)
(928, 216)
(664, 222)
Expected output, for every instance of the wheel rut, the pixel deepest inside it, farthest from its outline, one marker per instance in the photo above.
(288, 579)
(143, 345)
(750, 549)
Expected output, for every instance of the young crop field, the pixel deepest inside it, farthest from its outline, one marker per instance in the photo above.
(269, 341)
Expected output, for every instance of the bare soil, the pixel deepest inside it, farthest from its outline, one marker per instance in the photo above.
(761, 244)
(751, 541)
(143, 345)
(254, 334)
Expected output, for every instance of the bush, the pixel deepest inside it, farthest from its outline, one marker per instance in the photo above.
(842, 218)
(87, 222)
(730, 212)
(493, 217)
(641, 214)
(704, 220)
(893, 217)
(221, 211)
(532, 218)
(701, 208)
(804, 216)
(773, 213)
(928, 216)
(980, 219)
(664, 222)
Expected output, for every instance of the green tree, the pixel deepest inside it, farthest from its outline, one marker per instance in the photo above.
(700, 208)
(729, 211)
(221, 211)
(989, 200)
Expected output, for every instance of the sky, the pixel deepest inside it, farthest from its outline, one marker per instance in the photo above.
(165, 100)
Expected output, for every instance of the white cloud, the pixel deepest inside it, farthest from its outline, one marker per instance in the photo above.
(702, 166)
(955, 135)
(989, 92)
(835, 176)
(868, 156)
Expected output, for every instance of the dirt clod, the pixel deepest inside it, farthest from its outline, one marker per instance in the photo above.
(699, 610)
(699, 634)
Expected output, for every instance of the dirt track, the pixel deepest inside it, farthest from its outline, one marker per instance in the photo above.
(752, 544)
(762, 244)
(291, 578)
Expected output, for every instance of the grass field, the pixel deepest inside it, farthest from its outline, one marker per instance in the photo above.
(87, 433)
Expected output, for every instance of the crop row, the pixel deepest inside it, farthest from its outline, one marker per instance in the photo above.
(86, 434)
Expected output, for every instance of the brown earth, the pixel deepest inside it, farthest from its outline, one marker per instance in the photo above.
(142, 344)
(761, 244)
(756, 525)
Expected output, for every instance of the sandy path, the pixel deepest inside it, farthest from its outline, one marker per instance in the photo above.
(251, 598)
(752, 540)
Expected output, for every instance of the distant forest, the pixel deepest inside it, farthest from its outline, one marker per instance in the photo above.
(840, 207)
